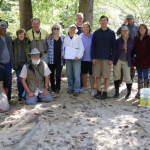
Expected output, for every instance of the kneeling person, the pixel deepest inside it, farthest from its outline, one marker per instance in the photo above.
(35, 79)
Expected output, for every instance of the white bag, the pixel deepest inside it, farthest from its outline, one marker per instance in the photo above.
(4, 105)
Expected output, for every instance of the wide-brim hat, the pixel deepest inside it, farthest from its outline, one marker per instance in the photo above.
(35, 51)
(3, 25)
(73, 26)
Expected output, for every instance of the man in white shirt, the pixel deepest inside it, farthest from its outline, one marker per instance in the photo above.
(35, 79)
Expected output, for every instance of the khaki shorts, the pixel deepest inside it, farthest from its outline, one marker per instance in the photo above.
(101, 69)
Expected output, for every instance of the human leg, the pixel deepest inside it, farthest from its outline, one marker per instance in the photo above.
(52, 67)
(76, 74)
(69, 68)
(19, 84)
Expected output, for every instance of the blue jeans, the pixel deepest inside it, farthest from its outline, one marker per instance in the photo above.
(143, 73)
(73, 74)
(19, 84)
(33, 100)
(9, 70)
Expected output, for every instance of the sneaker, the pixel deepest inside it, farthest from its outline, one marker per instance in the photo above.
(75, 94)
(52, 91)
(83, 90)
(57, 91)
(70, 91)
(92, 92)
(104, 96)
(98, 95)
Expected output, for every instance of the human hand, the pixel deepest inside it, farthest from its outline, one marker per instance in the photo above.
(30, 93)
(45, 91)
(94, 61)
(110, 62)
(63, 56)
(125, 22)
(76, 58)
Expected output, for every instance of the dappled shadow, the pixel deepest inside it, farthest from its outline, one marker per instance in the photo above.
(73, 123)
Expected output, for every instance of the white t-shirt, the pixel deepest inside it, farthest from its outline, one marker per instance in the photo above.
(47, 72)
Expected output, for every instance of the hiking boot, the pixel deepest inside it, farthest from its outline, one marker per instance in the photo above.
(83, 90)
(57, 91)
(146, 83)
(140, 86)
(98, 95)
(129, 91)
(104, 96)
(70, 91)
(75, 94)
(20, 98)
(116, 83)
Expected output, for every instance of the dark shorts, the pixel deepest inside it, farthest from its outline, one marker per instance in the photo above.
(86, 67)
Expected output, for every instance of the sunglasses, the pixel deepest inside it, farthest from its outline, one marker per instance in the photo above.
(56, 28)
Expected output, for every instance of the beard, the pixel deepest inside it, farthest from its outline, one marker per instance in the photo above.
(35, 61)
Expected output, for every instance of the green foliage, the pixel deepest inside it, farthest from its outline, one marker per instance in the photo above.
(10, 13)
(64, 12)
(55, 11)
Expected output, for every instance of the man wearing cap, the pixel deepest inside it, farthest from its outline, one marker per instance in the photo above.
(129, 22)
(37, 38)
(6, 53)
(35, 79)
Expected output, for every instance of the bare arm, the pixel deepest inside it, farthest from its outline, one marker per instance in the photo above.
(45, 91)
(6, 90)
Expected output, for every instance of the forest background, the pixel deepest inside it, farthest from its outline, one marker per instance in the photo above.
(64, 12)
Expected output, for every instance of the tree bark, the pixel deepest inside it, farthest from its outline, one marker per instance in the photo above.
(86, 7)
(25, 9)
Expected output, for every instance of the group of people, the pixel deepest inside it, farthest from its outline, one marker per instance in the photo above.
(36, 55)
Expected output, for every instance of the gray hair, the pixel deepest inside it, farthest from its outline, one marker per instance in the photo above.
(56, 24)
(124, 27)
(35, 19)
(80, 14)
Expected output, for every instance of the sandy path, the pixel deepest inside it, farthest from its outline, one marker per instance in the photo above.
(74, 123)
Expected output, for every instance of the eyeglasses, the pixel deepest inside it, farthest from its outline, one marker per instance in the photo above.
(125, 30)
(56, 28)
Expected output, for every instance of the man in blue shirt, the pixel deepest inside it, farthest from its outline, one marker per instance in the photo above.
(102, 54)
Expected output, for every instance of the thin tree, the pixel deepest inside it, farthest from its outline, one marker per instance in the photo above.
(86, 7)
(25, 9)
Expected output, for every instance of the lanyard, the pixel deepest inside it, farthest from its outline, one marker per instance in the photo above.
(34, 36)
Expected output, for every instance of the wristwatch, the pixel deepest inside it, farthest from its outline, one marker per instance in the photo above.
(46, 87)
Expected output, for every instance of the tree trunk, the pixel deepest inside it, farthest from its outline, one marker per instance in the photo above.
(86, 7)
(25, 9)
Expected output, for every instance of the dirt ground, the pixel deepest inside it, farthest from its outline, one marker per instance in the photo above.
(76, 123)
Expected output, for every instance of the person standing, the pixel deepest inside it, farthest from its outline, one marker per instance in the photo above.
(55, 48)
(6, 53)
(123, 59)
(21, 50)
(142, 57)
(73, 66)
(79, 21)
(37, 38)
(129, 22)
(102, 55)
(86, 62)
